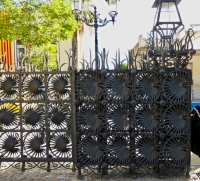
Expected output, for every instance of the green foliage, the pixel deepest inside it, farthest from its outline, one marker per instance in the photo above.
(40, 53)
(41, 22)
(58, 15)
(124, 66)
(7, 26)
(37, 23)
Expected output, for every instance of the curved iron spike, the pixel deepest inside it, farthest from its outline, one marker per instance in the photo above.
(128, 59)
(87, 64)
(102, 60)
(82, 65)
(62, 66)
(69, 58)
(107, 60)
(115, 60)
(90, 58)
(118, 56)
(100, 55)
(141, 67)
(114, 65)
(92, 64)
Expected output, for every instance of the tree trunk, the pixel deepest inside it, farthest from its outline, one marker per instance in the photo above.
(75, 46)
(29, 57)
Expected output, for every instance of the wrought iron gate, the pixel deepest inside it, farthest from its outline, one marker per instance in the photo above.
(130, 121)
(37, 119)
(140, 120)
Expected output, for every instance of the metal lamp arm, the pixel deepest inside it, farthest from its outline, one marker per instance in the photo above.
(88, 24)
(99, 25)
(96, 21)
(105, 23)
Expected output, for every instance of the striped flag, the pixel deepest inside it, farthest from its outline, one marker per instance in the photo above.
(6, 47)
(6, 53)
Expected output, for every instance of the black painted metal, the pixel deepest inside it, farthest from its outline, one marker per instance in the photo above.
(36, 119)
(167, 29)
(129, 120)
(133, 121)
(136, 120)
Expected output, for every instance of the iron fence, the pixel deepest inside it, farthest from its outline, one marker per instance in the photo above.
(138, 121)
(131, 121)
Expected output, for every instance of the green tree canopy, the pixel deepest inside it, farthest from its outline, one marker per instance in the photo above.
(37, 23)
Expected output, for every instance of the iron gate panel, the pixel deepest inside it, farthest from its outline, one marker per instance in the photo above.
(37, 119)
(105, 121)
(99, 120)
(135, 120)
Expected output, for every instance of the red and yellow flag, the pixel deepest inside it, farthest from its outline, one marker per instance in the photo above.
(6, 47)
(6, 53)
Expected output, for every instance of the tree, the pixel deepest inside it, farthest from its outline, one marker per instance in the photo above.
(43, 53)
(38, 23)
(7, 27)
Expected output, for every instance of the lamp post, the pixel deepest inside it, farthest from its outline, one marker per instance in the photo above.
(167, 50)
(94, 21)
(167, 20)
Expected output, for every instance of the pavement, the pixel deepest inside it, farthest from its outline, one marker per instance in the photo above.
(36, 174)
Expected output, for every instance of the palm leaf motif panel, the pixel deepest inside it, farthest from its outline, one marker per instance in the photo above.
(36, 120)
(133, 119)
(101, 121)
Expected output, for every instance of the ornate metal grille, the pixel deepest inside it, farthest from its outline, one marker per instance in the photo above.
(36, 120)
(130, 121)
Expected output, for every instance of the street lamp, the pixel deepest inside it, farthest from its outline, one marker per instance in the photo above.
(94, 21)
(76, 7)
(167, 20)
(112, 3)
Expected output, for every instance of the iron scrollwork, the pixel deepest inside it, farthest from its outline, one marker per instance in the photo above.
(128, 120)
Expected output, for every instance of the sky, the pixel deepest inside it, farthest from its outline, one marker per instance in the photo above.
(135, 18)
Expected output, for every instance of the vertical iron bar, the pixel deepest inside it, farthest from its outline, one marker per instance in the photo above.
(189, 131)
(96, 39)
(46, 120)
(20, 112)
(73, 117)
